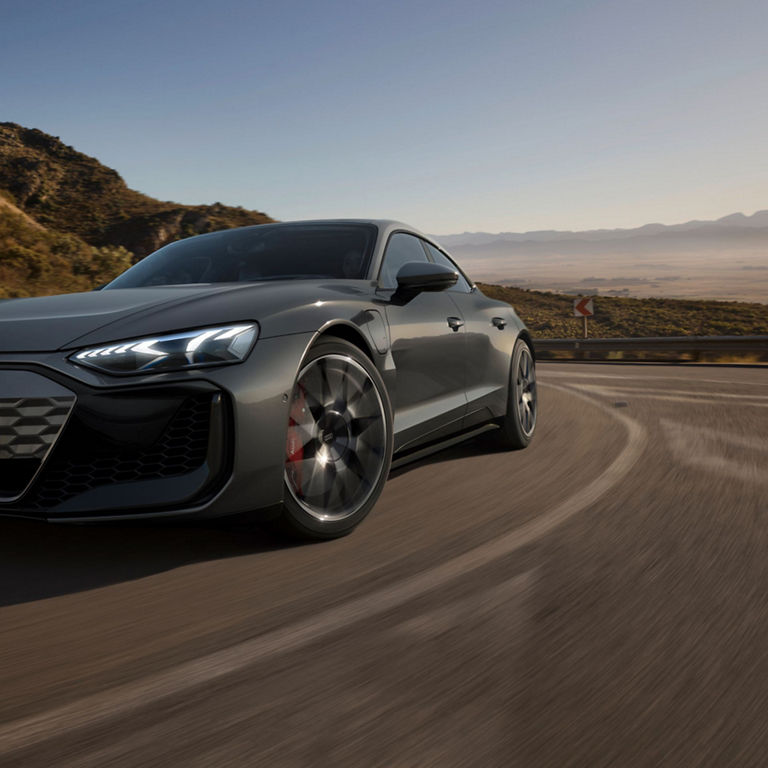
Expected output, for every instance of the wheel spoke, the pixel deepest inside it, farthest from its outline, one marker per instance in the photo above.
(345, 383)
(304, 433)
(330, 483)
(325, 384)
(354, 465)
(309, 449)
(314, 403)
(361, 392)
(349, 483)
(362, 424)
(306, 469)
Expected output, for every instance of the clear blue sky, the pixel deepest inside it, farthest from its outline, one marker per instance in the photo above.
(496, 116)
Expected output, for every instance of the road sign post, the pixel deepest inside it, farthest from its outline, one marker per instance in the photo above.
(584, 308)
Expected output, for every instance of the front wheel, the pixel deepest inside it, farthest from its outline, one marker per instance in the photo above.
(338, 443)
(519, 423)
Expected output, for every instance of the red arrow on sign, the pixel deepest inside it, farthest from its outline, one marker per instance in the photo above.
(583, 307)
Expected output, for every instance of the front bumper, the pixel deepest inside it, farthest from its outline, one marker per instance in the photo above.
(75, 450)
(79, 445)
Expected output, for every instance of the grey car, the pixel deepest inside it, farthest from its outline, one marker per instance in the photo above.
(275, 372)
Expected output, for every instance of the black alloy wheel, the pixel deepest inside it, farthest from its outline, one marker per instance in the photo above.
(338, 442)
(519, 424)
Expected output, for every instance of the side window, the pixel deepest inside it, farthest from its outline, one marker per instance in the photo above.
(401, 249)
(440, 258)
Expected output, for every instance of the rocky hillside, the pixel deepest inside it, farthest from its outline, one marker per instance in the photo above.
(62, 203)
(35, 261)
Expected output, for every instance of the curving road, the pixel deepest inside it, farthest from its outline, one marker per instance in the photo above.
(598, 599)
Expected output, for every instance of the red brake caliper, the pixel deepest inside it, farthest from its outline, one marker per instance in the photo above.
(294, 447)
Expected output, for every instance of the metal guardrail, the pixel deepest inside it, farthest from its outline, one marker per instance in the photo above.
(698, 345)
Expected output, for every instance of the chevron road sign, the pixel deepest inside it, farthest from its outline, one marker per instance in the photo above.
(583, 307)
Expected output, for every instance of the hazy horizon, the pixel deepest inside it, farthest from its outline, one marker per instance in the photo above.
(722, 259)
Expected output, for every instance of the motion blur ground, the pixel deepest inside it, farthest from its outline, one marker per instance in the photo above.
(534, 608)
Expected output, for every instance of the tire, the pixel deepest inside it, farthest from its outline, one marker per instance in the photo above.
(517, 427)
(338, 443)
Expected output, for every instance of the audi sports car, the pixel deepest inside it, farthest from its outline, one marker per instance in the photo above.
(276, 371)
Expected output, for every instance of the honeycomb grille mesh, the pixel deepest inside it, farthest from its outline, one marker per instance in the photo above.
(182, 448)
(29, 426)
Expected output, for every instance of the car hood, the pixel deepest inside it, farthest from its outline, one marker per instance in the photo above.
(73, 320)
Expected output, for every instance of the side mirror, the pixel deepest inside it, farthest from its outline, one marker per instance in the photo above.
(416, 276)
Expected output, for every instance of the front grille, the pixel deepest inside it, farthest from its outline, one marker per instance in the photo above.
(29, 427)
(81, 462)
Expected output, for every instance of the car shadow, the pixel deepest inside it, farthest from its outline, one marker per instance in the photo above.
(40, 560)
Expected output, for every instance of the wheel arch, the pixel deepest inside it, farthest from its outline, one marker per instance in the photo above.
(347, 332)
(528, 339)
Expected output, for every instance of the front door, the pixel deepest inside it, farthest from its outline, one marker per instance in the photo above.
(427, 342)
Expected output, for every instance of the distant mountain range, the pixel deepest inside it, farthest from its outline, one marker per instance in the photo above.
(722, 259)
(729, 225)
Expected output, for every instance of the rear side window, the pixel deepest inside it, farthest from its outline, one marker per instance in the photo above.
(401, 249)
(462, 285)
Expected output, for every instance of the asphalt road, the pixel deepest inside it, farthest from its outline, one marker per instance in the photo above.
(598, 599)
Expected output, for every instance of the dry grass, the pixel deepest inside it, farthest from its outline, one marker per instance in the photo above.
(550, 315)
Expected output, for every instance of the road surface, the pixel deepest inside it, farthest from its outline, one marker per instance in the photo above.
(598, 599)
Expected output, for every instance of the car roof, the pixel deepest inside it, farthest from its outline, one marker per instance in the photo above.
(385, 226)
(380, 223)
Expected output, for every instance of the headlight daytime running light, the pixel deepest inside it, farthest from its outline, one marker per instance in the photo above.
(173, 352)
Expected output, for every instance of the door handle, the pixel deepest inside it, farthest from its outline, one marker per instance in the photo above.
(455, 323)
(499, 322)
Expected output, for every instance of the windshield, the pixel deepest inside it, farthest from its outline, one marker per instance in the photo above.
(266, 252)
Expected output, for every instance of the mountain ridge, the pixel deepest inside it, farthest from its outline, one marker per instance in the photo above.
(69, 223)
(68, 191)
(757, 220)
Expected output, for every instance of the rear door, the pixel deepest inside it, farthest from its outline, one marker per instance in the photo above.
(427, 342)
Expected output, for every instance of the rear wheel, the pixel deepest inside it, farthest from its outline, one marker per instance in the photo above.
(338, 443)
(519, 423)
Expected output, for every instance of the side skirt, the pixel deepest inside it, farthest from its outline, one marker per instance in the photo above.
(428, 450)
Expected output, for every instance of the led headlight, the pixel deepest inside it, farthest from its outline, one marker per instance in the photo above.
(188, 349)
